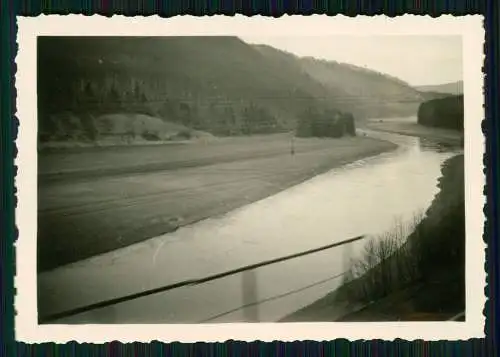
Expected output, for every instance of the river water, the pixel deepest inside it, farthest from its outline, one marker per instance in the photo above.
(362, 198)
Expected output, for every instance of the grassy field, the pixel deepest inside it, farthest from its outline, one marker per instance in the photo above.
(96, 200)
(409, 126)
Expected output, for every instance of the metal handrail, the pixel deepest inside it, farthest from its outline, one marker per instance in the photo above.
(190, 282)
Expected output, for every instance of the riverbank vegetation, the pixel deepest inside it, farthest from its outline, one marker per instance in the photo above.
(432, 256)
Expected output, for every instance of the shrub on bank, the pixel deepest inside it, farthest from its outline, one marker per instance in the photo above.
(387, 262)
(330, 124)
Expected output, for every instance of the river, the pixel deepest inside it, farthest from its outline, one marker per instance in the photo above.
(362, 198)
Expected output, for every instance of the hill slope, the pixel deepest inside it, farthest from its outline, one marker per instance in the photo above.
(360, 91)
(217, 84)
(454, 88)
(365, 93)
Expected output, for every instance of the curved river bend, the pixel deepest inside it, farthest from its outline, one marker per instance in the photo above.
(364, 197)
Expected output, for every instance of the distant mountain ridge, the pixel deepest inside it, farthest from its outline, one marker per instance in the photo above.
(221, 85)
(454, 88)
(360, 91)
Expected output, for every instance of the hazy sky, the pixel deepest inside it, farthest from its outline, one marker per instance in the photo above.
(418, 60)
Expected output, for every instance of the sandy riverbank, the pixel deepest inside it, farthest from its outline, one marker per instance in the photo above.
(112, 198)
(410, 127)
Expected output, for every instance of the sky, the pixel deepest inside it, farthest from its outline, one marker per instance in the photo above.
(418, 60)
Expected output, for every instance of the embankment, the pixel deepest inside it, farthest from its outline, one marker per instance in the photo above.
(435, 252)
(81, 215)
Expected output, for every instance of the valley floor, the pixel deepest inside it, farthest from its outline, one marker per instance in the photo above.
(96, 200)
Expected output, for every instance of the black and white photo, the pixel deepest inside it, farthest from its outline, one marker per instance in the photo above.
(235, 178)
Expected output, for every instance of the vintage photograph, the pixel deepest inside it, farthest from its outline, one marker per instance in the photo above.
(172, 159)
(232, 178)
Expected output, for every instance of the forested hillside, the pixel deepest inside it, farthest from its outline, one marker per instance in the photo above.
(365, 93)
(94, 87)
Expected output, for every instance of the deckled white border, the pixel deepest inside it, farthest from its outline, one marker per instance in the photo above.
(470, 27)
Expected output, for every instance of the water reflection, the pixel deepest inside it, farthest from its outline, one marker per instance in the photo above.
(433, 146)
(250, 296)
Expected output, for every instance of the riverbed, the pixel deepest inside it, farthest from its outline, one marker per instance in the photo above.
(362, 198)
(96, 200)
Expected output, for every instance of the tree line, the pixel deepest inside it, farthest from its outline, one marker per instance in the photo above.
(314, 122)
(445, 112)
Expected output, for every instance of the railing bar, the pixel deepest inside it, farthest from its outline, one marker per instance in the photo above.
(272, 298)
(273, 261)
(190, 282)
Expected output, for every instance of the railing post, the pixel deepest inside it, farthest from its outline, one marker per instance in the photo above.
(346, 257)
(250, 296)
